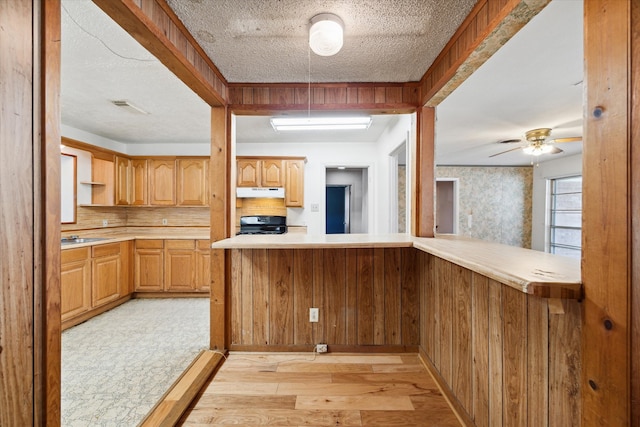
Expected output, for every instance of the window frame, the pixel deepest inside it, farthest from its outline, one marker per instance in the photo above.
(550, 244)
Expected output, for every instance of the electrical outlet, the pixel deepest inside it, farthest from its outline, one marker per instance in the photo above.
(321, 348)
(105, 222)
(315, 207)
(164, 221)
(314, 314)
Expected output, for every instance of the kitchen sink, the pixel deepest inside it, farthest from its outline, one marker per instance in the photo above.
(67, 240)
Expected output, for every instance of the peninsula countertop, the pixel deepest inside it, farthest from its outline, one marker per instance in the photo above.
(532, 272)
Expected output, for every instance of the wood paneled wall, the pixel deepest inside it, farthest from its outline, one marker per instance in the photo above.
(502, 356)
(490, 24)
(156, 27)
(368, 299)
(395, 97)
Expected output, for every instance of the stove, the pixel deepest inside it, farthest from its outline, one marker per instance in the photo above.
(263, 224)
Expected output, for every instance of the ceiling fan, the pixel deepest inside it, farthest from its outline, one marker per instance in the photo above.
(537, 143)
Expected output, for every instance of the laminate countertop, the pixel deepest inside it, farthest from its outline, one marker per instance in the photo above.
(532, 272)
(136, 233)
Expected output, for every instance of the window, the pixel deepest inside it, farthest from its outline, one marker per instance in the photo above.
(565, 216)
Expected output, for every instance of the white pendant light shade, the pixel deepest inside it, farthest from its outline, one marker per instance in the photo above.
(325, 34)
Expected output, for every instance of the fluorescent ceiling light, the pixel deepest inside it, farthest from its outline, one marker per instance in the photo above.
(320, 123)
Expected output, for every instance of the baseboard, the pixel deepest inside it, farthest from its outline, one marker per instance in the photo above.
(171, 294)
(93, 312)
(333, 348)
(455, 406)
(176, 400)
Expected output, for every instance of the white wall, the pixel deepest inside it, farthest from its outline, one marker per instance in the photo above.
(567, 166)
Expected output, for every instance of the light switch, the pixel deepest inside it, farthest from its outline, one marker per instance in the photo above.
(315, 207)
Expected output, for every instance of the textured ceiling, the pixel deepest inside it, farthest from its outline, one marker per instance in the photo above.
(266, 41)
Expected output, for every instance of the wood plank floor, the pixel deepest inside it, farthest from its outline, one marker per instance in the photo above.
(286, 389)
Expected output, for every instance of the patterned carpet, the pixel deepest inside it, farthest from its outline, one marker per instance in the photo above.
(117, 365)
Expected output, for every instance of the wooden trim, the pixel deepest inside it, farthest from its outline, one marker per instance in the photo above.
(268, 98)
(424, 206)
(150, 25)
(606, 229)
(169, 294)
(107, 154)
(47, 272)
(332, 348)
(634, 88)
(455, 406)
(270, 158)
(220, 208)
(176, 400)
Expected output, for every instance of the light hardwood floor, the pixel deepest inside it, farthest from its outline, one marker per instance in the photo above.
(337, 389)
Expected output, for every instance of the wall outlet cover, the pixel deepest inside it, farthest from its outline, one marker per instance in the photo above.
(322, 348)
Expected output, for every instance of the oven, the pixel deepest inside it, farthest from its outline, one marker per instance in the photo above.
(263, 224)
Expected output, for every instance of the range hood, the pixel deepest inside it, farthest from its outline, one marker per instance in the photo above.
(260, 192)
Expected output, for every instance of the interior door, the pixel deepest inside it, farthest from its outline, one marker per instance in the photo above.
(337, 212)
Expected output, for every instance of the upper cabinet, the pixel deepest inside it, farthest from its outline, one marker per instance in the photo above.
(271, 173)
(248, 173)
(123, 181)
(102, 181)
(162, 182)
(287, 172)
(192, 182)
(139, 187)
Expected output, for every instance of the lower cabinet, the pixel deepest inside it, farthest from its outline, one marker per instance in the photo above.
(75, 282)
(172, 265)
(92, 277)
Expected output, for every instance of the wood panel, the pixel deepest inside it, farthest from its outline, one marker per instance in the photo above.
(272, 291)
(606, 232)
(423, 211)
(156, 27)
(634, 87)
(505, 359)
(399, 97)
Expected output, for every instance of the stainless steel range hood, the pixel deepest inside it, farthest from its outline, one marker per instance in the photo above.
(260, 192)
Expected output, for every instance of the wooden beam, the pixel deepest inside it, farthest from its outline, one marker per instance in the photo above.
(486, 29)
(605, 225)
(423, 208)
(220, 208)
(154, 29)
(635, 213)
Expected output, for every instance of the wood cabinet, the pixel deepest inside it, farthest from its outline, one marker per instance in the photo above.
(203, 265)
(102, 181)
(106, 273)
(75, 282)
(285, 172)
(180, 266)
(149, 266)
(139, 183)
(175, 265)
(294, 183)
(123, 181)
(248, 173)
(192, 182)
(162, 182)
(271, 173)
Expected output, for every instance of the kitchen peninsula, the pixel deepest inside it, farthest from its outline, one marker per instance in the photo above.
(498, 326)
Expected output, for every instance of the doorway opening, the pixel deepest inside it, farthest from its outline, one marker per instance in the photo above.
(447, 205)
(346, 200)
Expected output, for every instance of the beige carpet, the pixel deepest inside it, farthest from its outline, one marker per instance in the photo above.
(117, 365)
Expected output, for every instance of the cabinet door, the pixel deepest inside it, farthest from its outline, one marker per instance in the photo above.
(123, 181)
(149, 266)
(139, 187)
(294, 185)
(75, 282)
(271, 173)
(203, 265)
(180, 263)
(248, 173)
(105, 274)
(193, 182)
(162, 182)
(126, 268)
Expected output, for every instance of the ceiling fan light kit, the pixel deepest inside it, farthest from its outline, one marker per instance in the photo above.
(537, 143)
(326, 34)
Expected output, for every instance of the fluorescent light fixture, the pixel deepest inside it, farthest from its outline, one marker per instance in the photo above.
(126, 105)
(320, 123)
(326, 34)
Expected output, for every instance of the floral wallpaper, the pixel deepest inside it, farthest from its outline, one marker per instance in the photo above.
(499, 199)
(402, 198)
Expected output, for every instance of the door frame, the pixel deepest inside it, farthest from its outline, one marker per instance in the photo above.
(456, 201)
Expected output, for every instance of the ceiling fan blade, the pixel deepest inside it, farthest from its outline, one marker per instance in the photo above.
(503, 152)
(555, 150)
(570, 139)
